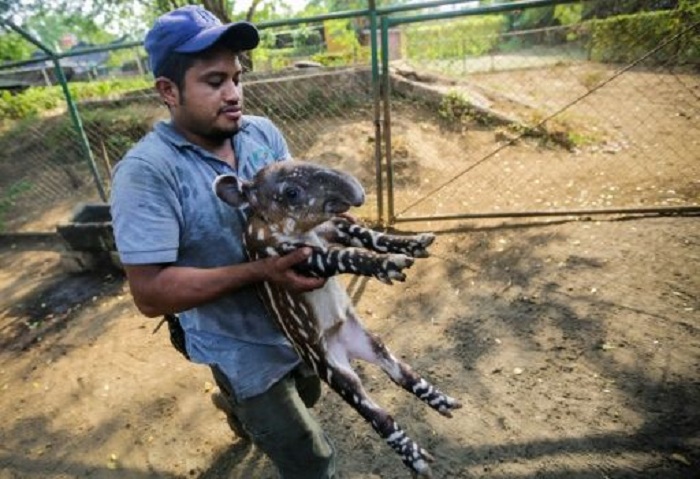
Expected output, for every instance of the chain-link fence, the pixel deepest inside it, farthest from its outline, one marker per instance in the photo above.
(492, 111)
(60, 134)
(539, 111)
(308, 77)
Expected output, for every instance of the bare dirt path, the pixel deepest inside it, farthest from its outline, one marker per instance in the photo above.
(575, 348)
(574, 345)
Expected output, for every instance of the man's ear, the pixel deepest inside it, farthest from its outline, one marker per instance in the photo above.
(168, 91)
(231, 190)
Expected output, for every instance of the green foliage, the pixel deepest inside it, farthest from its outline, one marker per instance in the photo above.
(531, 18)
(37, 100)
(50, 26)
(13, 47)
(341, 46)
(568, 14)
(642, 32)
(455, 111)
(453, 39)
(361, 54)
(341, 38)
(300, 42)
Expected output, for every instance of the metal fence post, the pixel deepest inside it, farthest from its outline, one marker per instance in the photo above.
(377, 99)
(73, 110)
(386, 92)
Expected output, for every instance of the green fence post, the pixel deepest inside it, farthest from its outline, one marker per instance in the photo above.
(78, 123)
(72, 109)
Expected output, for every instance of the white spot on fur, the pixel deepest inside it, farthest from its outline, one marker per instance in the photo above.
(289, 226)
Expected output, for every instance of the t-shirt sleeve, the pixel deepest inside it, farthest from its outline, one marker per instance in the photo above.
(146, 213)
(276, 141)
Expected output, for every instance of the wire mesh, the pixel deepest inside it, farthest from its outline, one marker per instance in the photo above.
(488, 115)
(44, 165)
(294, 79)
(543, 119)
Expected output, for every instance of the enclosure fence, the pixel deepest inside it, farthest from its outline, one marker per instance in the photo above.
(546, 121)
(455, 112)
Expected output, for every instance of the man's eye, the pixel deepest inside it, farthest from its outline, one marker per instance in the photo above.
(214, 83)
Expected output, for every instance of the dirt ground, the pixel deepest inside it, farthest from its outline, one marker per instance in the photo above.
(574, 344)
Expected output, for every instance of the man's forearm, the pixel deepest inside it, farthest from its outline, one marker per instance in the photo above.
(172, 289)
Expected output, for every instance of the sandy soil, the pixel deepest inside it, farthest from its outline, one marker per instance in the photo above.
(573, 344)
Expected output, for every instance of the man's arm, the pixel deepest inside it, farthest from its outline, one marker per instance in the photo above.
(165, 289)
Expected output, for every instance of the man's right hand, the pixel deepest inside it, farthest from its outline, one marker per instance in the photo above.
(279, 270)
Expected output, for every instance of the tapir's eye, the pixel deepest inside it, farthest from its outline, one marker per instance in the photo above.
(292, 193)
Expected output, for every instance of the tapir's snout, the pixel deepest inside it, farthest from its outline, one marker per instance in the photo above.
(343, 191)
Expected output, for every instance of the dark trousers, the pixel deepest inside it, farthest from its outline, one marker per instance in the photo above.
(280, 424)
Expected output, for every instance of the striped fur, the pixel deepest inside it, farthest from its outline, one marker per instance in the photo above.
(322, 325)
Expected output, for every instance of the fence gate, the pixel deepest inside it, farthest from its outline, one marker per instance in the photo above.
(524, 110)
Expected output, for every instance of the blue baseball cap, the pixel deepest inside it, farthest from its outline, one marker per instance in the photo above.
(192, 29)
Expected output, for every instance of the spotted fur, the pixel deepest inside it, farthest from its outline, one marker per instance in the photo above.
(296, 204)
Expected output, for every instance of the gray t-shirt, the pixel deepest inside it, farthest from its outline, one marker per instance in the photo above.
(164, 211)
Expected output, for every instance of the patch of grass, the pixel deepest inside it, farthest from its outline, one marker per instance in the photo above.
(592, 79)
(455, 111)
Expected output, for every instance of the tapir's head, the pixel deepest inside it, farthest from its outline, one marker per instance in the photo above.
(305, 192)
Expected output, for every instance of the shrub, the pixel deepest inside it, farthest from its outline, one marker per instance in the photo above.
(454, 38)
(642, 32)
(37, 100)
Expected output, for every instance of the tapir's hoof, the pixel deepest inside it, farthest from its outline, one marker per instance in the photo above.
(392, 267)
(420, 243)
(399, 262)
(420, 465)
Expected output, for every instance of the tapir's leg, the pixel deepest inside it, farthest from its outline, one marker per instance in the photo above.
(345, 232)
(327, 262)
(364, 345)
(344, 381)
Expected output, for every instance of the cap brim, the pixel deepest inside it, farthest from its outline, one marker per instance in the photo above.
(239, 36)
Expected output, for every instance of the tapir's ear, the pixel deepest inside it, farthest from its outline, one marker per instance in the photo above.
(230, 189)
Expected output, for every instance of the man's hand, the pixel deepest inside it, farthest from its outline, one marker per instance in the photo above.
(349, 217)
(279, 270)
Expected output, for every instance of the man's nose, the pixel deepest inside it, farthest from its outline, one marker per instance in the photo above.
(231, 92)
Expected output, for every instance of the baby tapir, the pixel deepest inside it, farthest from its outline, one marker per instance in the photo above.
(294, 204)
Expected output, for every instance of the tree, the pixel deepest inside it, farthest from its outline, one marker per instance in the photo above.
(223, 9)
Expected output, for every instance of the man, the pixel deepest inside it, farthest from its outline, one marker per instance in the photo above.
(181, 246)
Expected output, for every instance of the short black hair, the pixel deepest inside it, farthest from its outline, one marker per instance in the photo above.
(175, 67)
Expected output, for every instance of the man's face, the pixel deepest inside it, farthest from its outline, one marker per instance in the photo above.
(210, 103)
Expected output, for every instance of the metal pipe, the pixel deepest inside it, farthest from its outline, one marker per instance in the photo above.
(71, 53)
(377, 100)
(669, 210)
(315, 19)
(78, 123)
(388, 10)
(386, 93)
(490, 9)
